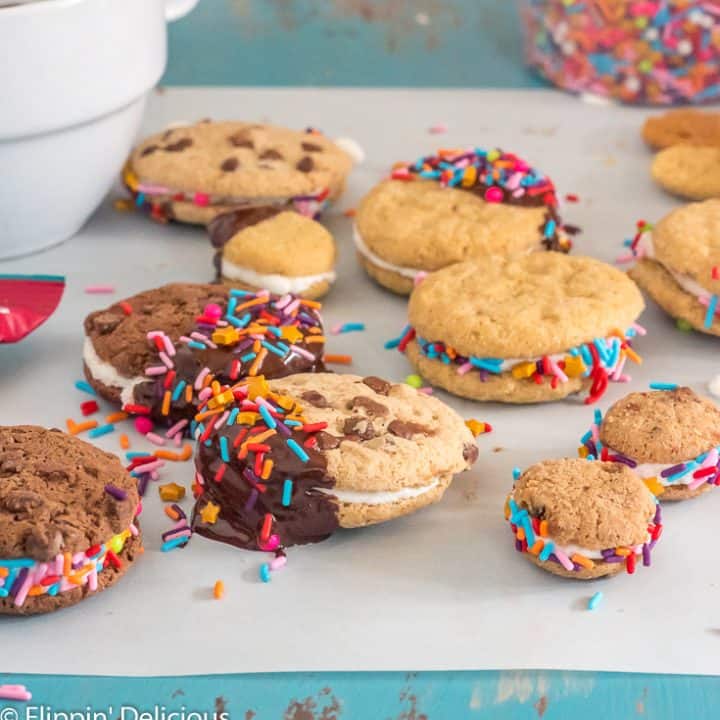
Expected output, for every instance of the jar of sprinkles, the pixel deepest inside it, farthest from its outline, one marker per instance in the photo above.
(648, 52)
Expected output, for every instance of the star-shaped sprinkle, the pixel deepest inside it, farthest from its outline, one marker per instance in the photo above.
(209, 513)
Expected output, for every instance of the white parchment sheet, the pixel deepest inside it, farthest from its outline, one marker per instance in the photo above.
(443, 589)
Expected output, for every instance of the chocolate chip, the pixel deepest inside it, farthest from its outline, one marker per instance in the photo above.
(43, 542)
(470, 453)
(149, 150)
(358, 427)
(311, 147)
(54, 473)
(315, 399)
(241, 140)
(326, 441)
(229, 164)
(20, 501)
(179, 146)
(271, 155)
(306, 164)
(406, 429)
(380, 386)
(372, 407)
(106, 322)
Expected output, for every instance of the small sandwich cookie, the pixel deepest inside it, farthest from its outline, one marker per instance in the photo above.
(68, 524)
(533, 329)
(683, 126)
(158, 352)
(273, 249)
(670, 438)
(678, 264)
(297, 458)
(454, 206)
(191, 174)
(688, 171)
(582, 519)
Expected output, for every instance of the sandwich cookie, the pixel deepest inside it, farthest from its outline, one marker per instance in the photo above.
(193, 173)
(683, 126)
(532, 329)
(273, 249)
(688, 171)
(290, 461)
(678, 264)
(583, 520)
(669, 438)
(158, 353)
(67, 520)
(454, 206)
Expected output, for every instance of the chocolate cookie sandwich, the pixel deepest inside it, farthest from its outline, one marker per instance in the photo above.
(289, 461)
(67, 520)
(453, 206)
(670, 438)
(273, 249)
(191, 174)
(533, 329)
(583, 520)
(158, 353)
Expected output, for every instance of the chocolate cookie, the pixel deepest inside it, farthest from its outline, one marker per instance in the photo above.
(67, 520)
(454, 206)
(297, 458)
(273, 249)
(158, 352)
(669, 438)
(583, 519)
(193, 173)
(533, 329)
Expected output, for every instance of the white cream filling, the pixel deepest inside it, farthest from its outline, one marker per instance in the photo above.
(278, 284)
(382, 497)
(689, 285)
(365, 251)
(105, 373)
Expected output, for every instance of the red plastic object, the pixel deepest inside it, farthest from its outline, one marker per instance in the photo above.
(26, 302)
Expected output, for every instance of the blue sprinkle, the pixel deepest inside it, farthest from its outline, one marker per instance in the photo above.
(196, 345)
(233, 416)
(17, 563)
(240, 293)
(224, 453)
(177, 392)
(140, 199)
(550, 228)
(710, 314)
(272, 348)
(586, 437)
(591, 457)
(598, 416)
(133, 455)
(392, 344)
(175, 542)
(546, 552)
(267, 417)
(232, 304)
(85, 387)
(298, 450)
(102, 430)
(663, 386)
(516, 473)
(248, 357)
(265, 572)
(352, 327)
(594, 601)
(233, 321)
(287, 492)
(53, 589)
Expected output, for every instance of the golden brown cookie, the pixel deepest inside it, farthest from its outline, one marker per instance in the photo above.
(532, 329)
(583, 519)
(670, 438)
(683, 126)
(679, 261)
(451, 207)
(274, 249)
(688, 171)
(67, 520)
(365, 451)
(193, 173)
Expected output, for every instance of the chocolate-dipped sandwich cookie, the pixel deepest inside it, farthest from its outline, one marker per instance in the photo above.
(274, 249)
(525, 330)
(669, 438)
(193, 173)
(158, 352)
(68, 524)
(453, 206)
(583, 519)
(292, 460)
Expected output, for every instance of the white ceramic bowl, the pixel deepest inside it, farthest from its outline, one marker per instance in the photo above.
(74, 79)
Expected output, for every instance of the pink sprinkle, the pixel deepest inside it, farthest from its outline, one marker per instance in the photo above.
(15, 692)
(169, 347)
(150, 467)
(565, 561)
(419, 277)
(178, 439)
(493, 194)
(176, 428)
(155, 370)
(559, 374)
(100, 289)
(92, 580)
(464, 368)
(335, 329)
(273, 542)
(204, 394)
(426, 390)
(133, 530)
(278, 563)
(199, 479)
(212, 310)
(627, 258)
(438, 129)
(302, 351)
(201, 199)
(143, 425)
(200, 377)
(639, 329)
(155, 439)
(168, 362)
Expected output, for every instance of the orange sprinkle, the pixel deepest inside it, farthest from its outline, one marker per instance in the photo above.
(311, 304)
(67, 564)
(585, 562)
(250, 303)
(165, 408)
(267, 469)
(188, 393)
(175, 457)
(207, 380)
(315, 339)
(623, 551)
(36, 590)
(116, 417)
(171, 512)
(258, 361)
(350, 213)
(536, 547)
(4, 572)
(124, 442)
(81, 427)
(338, 359)
(520, 534)
(261, 437)
(208, 413)
(219, 590)
(633, 355)
(543, 528)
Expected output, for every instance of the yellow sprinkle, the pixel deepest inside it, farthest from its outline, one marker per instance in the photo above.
(583, 452)
(123, 205)
(258, 387)
(171, 492)
(654, 486)
(291, 334)
(622, 551)
(476, 427)
(226, 336)
(209, 514)
(523, 370)
(574, 366)
(246, 418)
(469, 176)
(223, 398)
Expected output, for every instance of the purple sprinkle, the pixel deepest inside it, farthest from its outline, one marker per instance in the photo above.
(250, 476)
(658, 515)
(614, 559)
(175, 531)
(179, 511)
(284, 429)
(672, 470)
(143, 481)
(518, 545)
(252, 499)
(652, 544)
(19, 580)
(624, 460)
(591, 447)
(646, 555)
(483, 375)
(608, 553)
(115, 492)
(553, 558)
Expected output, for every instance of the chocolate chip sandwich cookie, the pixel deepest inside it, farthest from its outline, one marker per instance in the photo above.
(532, 329)
(290, 461)
(159, 352)
(583, 520)
(274, 249)
(670, 438)
(453, 206)
(193, 173)
(67, 520)
(678, 264)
